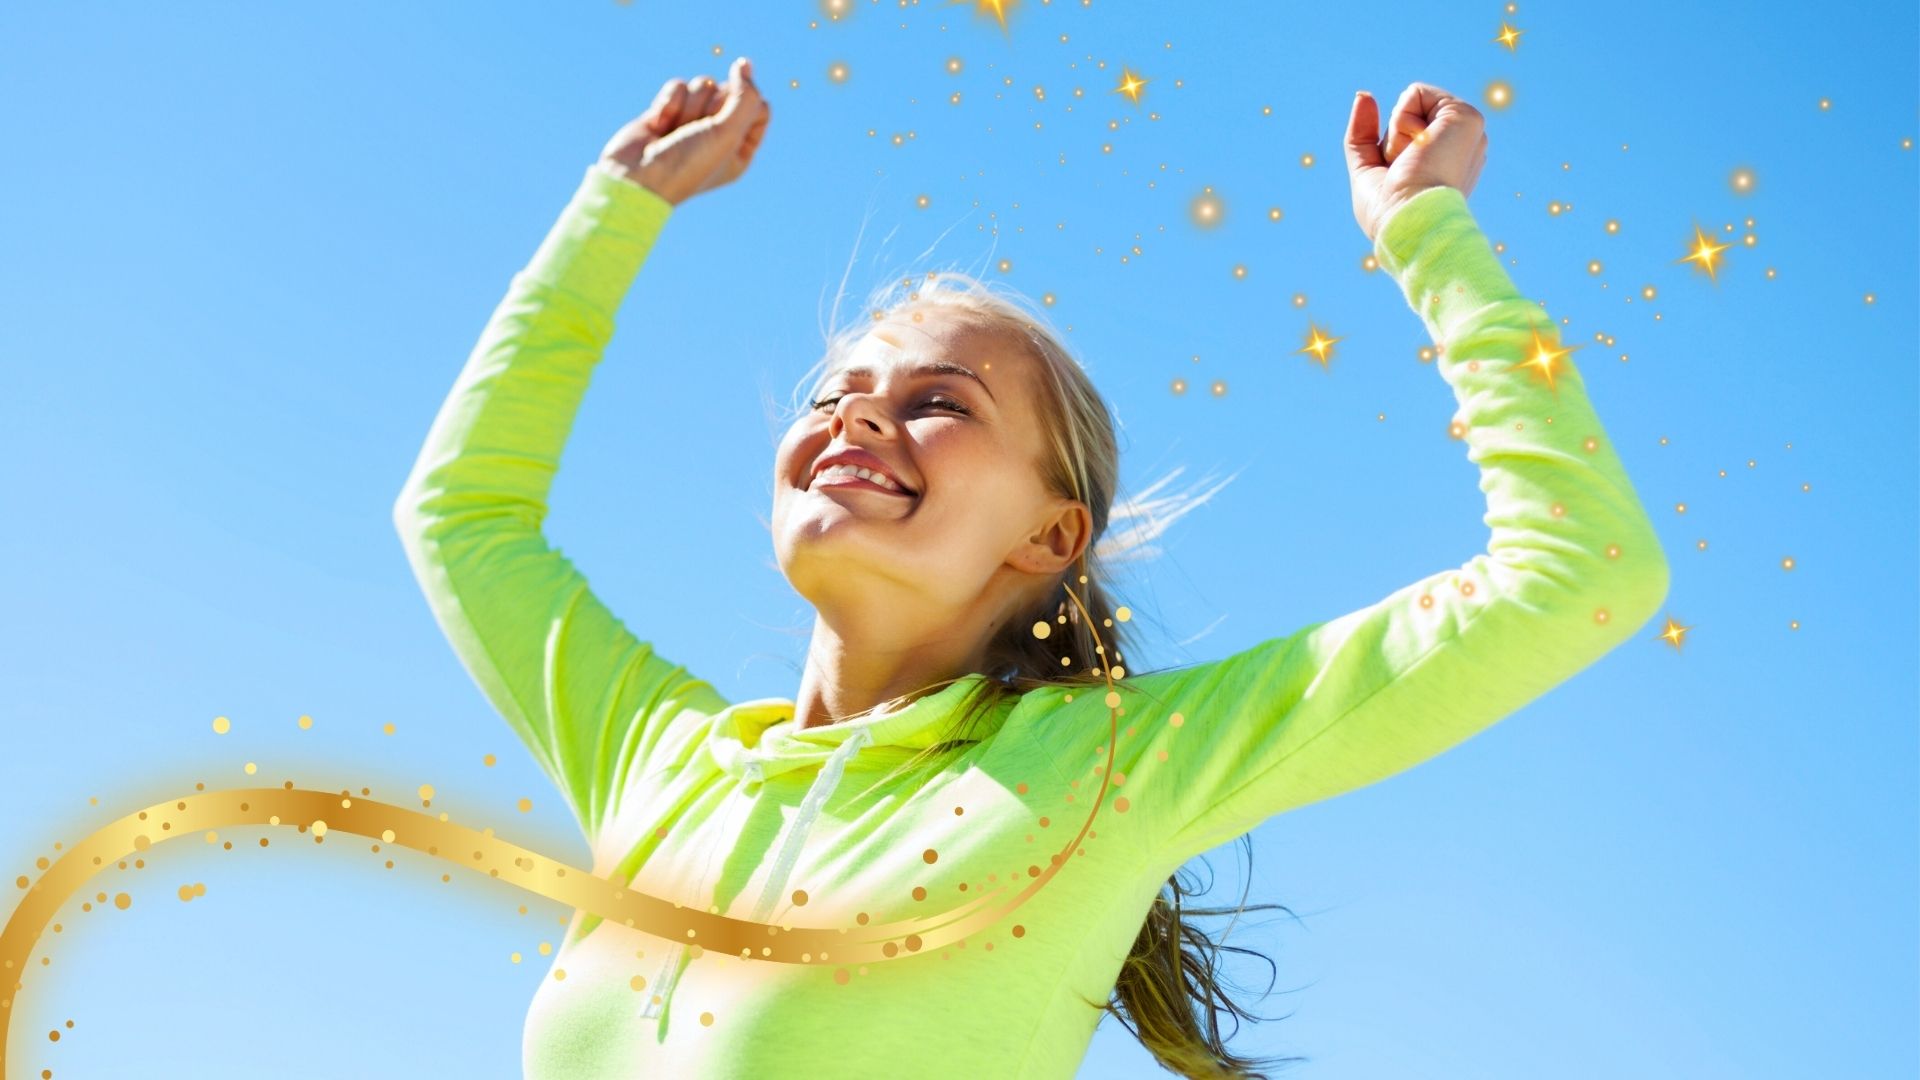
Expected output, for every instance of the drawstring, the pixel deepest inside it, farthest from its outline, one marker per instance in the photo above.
(817, 795)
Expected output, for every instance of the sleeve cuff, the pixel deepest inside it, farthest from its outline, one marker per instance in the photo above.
(1434, 248)
(601, 240)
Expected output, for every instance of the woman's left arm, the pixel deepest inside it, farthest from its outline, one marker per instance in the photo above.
(1573, 568)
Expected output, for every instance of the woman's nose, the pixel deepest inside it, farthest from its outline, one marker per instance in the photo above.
(859, 408)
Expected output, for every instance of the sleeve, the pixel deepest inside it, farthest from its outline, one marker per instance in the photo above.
(587, 697)
(1572, 569)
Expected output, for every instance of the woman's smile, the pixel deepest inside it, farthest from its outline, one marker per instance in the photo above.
(852, 482)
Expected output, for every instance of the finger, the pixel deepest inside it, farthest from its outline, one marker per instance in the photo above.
(700, 93)
(739, 93)
(667, 106)
(1363, 134)
(1411, 114)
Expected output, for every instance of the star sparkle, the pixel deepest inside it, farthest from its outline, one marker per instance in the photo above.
(1704, 252)
(1130, 85)
(1319, 346)
(1509, 37)
(1674, 632)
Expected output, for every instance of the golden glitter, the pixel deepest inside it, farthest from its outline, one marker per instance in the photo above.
(386, 729)
(306, 723)
(559, 973)
(386, 836)
(1306, 161)
(1041, 629)
(930, 855)
(220, 725)
(426, 792)
(525, 805)
(919, 892)
(1499, 94)
(1179, 387)
(1176, 720)
(1207, 210)
(1274, 214)
(1121, 804)
(251, 768)
(514, 957)
(122, 901)
(319, 828)
(841, 976)
(141, 842)
(837, 71)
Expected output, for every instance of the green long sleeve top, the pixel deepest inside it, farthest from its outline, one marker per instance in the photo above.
(729, 807)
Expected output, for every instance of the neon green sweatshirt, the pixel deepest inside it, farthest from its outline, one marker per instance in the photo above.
(725, 806)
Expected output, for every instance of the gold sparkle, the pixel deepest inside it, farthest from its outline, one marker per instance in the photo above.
(1499, 94)
(1705, 251)
(1130, 85)
(1544, 356)
(1674, 632)
(1509, 37)
(1319, 346)
(996, 8)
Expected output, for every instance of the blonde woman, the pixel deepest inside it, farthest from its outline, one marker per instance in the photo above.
(943, 502)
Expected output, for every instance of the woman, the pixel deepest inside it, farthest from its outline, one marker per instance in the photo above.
(964, 707)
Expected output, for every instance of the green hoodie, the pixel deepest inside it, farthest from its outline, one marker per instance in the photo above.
(727, 807)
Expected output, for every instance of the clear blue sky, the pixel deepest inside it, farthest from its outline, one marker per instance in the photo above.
(246, 251)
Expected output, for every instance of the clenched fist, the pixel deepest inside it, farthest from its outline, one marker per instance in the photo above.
(694, 137)
(1434, 139)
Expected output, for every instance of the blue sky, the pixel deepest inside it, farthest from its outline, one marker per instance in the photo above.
(246, 253)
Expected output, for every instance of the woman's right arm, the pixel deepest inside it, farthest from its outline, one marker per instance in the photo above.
(586, 696)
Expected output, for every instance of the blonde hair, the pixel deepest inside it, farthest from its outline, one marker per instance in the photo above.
(1170, 992)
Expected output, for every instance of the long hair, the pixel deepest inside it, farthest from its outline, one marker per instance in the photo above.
(1170, 993)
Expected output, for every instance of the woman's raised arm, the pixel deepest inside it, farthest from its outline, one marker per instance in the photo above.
(587, 697)
(1573, 568)
(580, 690)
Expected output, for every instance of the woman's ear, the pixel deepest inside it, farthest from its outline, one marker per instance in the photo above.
(1059, 540)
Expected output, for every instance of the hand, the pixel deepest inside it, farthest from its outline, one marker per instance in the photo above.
(694, 137)
(1434, 139)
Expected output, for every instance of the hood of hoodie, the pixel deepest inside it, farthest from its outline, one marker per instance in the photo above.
(756, 739)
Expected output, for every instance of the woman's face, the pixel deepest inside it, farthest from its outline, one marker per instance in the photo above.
(951, 411)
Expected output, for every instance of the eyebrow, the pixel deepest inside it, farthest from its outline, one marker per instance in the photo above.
(925, 367)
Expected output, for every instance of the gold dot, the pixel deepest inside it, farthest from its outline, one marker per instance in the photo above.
(319, 828)
(122, 901)
(546, 948)
(1176, 720)
(919, 892)
(525, 805)
(386, 836)
(251, 768)
(800, 897)
(220, 725)
(930, 855)
(426, 792)
(1123, 613)
(1113, 699)
(1121, 804)
(1041, 629)
(306, 723)
(706, 1019)
(559, 973)
(515, 958)
(841, 976)
(1019, 931)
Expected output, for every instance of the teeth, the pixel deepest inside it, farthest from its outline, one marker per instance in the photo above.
(864, 474)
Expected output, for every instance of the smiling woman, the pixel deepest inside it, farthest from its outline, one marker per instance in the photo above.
(965, 698)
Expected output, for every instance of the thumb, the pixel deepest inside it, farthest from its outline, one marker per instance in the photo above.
(739, 89)
(1363, 134)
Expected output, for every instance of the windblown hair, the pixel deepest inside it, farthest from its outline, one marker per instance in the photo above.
(1171, 992)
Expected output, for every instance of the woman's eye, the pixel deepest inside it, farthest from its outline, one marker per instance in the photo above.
(941, 401)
